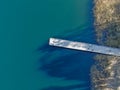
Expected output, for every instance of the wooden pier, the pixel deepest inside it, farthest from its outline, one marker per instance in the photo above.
(84, 46)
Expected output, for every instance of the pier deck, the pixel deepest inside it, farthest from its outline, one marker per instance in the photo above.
(84, 46)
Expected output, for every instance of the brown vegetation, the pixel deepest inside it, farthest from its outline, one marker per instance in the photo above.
(106, 73)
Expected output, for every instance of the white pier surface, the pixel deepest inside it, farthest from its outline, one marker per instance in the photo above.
(84, 46)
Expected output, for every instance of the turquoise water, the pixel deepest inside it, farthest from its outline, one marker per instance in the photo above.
(25, 25)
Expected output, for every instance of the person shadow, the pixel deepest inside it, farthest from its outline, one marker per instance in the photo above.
(69, 64)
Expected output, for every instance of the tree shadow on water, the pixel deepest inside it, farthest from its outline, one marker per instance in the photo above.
(69, 64)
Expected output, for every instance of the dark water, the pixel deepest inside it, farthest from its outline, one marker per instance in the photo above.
(26, 60)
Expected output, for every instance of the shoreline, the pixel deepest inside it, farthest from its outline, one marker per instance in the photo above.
(105, 74)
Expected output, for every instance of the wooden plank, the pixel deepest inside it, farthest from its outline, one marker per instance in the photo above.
(84, 46)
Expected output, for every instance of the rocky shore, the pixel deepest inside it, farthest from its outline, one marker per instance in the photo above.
(105, 74)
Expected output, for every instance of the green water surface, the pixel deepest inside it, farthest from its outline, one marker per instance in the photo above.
(24, 26)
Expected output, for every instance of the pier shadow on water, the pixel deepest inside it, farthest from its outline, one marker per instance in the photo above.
(69, 64)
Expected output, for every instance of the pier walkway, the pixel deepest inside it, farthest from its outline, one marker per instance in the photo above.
(84, 46)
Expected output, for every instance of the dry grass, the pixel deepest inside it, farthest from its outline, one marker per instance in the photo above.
(107, 24)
